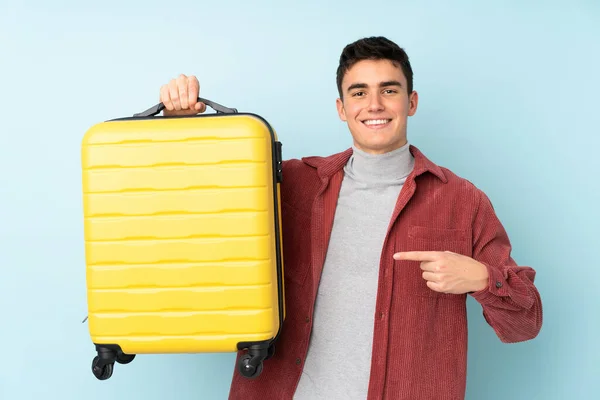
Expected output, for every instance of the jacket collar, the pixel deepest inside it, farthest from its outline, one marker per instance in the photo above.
(327, 166)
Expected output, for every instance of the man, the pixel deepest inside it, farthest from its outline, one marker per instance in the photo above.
(381, 248)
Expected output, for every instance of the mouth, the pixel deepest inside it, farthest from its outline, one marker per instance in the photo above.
(376, 123)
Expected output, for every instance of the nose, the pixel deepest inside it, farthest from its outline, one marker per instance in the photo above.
(375, 103)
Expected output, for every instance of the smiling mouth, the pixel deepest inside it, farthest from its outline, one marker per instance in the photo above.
(376, 123)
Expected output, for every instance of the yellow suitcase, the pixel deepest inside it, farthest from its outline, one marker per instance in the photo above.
(182, 236)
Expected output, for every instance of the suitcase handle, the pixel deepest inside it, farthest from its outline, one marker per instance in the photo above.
(160, 106)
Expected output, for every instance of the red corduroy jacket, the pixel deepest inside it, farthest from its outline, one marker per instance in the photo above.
(420, 337)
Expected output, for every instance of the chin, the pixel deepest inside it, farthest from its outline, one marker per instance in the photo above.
(379, 144)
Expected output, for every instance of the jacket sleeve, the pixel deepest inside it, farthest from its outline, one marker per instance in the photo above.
(511, 303)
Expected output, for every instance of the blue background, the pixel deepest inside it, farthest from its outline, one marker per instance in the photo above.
(508, 99)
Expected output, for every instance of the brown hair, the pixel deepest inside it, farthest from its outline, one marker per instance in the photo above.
(374, 48)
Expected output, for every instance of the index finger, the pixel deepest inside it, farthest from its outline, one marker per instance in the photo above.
(165, 98)
(418, 255)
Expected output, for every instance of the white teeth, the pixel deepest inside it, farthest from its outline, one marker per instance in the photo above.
(376, 121)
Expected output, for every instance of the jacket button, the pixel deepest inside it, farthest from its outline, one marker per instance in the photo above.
(298, 361)
(498, 284)
(307, 320)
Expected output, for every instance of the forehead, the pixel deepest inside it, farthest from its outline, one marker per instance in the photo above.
(372, 72)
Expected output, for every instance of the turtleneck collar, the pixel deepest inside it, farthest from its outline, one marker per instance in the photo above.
(388, 168)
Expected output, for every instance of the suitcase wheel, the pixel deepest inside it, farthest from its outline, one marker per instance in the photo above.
(250, 367)
(104, 363)
(102, 372)
(123, 358)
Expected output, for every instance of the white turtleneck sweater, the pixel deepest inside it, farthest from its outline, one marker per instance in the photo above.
(339, 357)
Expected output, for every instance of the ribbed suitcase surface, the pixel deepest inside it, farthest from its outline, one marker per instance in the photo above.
(181, 233)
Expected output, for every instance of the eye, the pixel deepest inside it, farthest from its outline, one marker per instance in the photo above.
(358, 94)
(390, 91)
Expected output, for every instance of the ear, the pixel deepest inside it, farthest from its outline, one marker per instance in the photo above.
(340, 109)
(413, 102)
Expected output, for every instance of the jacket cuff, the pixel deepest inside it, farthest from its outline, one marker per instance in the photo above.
(497, 287)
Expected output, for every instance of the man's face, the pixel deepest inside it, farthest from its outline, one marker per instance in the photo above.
(376, 105)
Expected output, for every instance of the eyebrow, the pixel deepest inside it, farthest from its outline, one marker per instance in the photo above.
(381, 84)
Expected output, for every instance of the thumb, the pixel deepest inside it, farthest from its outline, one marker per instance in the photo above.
(200, 107)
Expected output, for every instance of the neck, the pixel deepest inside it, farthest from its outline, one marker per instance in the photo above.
(388, 168)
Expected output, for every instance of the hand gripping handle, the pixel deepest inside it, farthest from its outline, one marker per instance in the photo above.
(160, 106)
